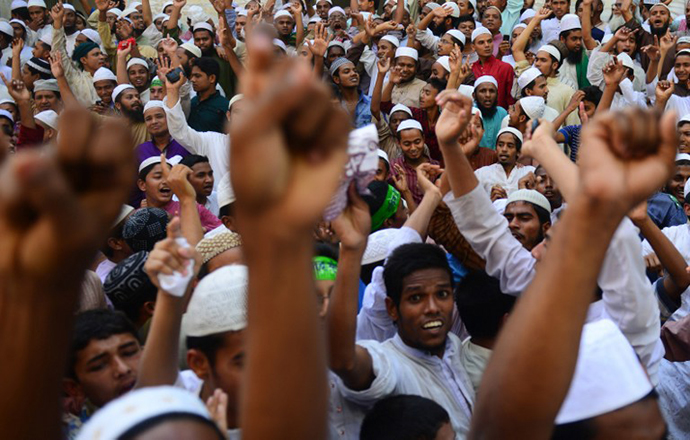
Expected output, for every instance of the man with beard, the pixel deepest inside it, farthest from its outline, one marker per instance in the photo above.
(204, 37)
(127, 103)
(504, 175)
(47, 95)
(486, 95)
(124, 29)
(659, 23)
(161, 142)
(69, 24)
(573, 71)
(440, 20)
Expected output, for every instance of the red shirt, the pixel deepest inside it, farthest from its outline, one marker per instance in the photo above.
(29, 137)
(411, 176)
(504, 74)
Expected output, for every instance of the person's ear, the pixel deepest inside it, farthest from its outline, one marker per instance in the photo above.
(229, 222)
(213, 79)
(392, 309)
(545, 227)
(141, 184)
(198, 362)
(149, 307)
(336, 80)
(115, 243)
(686, 208)
(83, 60)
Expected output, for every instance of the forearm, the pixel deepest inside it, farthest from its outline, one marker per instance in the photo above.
(590, 43)
(66, 94)
(458, 169)
(190, 222)
(387, 94)
(146, 12)
(606, 98)
(424, 22)
(26, 114)
(399, 11)
(299, 35)
(122, 77)
(669, 256)
(453, 80)
(16, 67)
(521, 41)
(282, 267)
(376, 96)
(560, 119)
(174, 18)
(652, 71)
(419, 220)
(561, 169)
(318, 67)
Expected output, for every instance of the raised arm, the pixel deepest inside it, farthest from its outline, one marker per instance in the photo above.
(174, 19)
(520, 43)
(420, 218)
(383, 65)
(146, 12)
(58, 72)
(17, 46)
(178, 179)
(228, 42)
(614, 73)
(590, 43)
(22, 97)
(555, 304)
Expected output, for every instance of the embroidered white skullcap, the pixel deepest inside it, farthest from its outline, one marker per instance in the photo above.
(410, 124)
(139, 406)
(68, 6)
(7, 101)
(529, 13)
(242, 13)
(454, 9)
(407, 52)
(281, 13)
(124, 212)
(157, 159)
(119, 89)
(279, 43)
(663, 5)
(191, 48)
(137, 61)
(6, 114)
(683, 40)
(377, 245)
(335, 43)
(391, 39)
(466, 90)
(127, 12)
(226, 195)
(444, 61)
(485, 79)
(514, 131)
(383, 155)
(493, 7)
(529, 195)
(335, 9)
(39, 3)
(6, 28)
(115, 11)
(457, 35)
(50, 85)
(219, 303)
(570, 22)
(20, 23)
(400, 108)
(92, 35)
(481, 30)
(528, 76)
(203, 25)
(551, 50)
(533, 106)
(104, 74)
(337, 64)
(16, 4)
(608, 376)
(154, 103)
(49, 118)
(626, 60)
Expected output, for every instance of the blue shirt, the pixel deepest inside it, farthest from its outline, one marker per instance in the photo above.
(492, 125)
(665, 210)
(572, 139)
(362, 116)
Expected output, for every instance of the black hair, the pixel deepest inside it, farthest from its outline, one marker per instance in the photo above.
(481, 304)
(437, 84)
(115, 233)
(193, 159)
(530, 86)
(22, 13)
(207, 65)
(322, 249)
(565, 34)
(464, 18)
(140, 428)
(453, 22)
(226, 210)
(208, 345)
(410, 258)
(378, 191)
(146, 170)
(98, 324)
(592, 94)
(41, 75)
(542, 214)
(404, 417)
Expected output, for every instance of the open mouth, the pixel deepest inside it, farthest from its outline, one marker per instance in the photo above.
(166, 192)
(432, 325)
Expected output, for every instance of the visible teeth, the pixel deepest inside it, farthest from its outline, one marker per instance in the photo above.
(433, 324)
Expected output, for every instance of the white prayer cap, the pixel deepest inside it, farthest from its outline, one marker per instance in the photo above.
(139, 406)
(626, 60)
(519, 26)
(383, 155)
(335, 9)
(485, 79)
(685, 52)
(377, 245)
(433, 5)
(124, 212)
(457, 35)
(663, 5)
(135, 5)
(6, 114)
(474, 4)
(314, 19)
(50, 85)
(410, 124)
(480, 31)
(191, 48)
(234, 99)
(391, 39)
(6, 28)
(219, 303)
(16, 4)
(157, 159)
(400, 108)
(161, 15)
(226, 195)
(203, 25)
(20, 23)
(7, 101)
(551, 50)
(570, 22)
(127, 12)
(104, 74)
(166, 4)
(92, 35)
(68, 6)
(529, 195)
(686, 189)
(476, 111)
(533, 106)
(335, 43)
(528, 76)
(330, 2)
(48, 118)
(137, 61)
(281, 13)
(154, 103)
(39, 3)
(683, 40)
(682, 156)
(514, 131)
(529, 13)
(493, 7)
(444, 61)
(466, 90)
(365, 15)
(119, 89)
(279, 43)
(453, 8)
(115, 11)
(244, 13)
(407, 52)
(684, 120)
(608, 376)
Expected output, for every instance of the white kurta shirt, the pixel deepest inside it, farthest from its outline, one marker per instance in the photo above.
(495, 174)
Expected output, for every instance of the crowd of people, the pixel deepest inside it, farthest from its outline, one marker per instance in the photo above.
(380, 220)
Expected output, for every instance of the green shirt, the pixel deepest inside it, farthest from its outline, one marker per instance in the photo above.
(209, 114)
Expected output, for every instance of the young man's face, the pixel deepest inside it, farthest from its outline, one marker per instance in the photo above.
(544, 62)
(46, 100)
(202, 178)
(106, 369)
(240, 23)
(524, 224)
(203, 40)
(385, 50)
(156, 121)
(483, 45)
(424, 315)
(681, 68)
(157, 93)
(138, 21)
(200, 81)
(28, 78)
(467, 27)
(322, 7)
(40, 50)
(590, 108)
(464, 6)
(7, 128)
(628, 45)
(130, 101)
(486, 95)
(548, 188)
(515, 115)
(560, 7)
(93, 60)
(15, 114)
(381, 169)
(70, 19)
(284, 26)
(684, 135)
(156, 188)
(334, 53)
(347, 76)
(138, 76)
(366, 5)
(506, 149)
(412, 144)
(539, 89)
(427, 97)
(677, 183)
(399, 116)
(104, 90)
(37, 14)
(407, 67)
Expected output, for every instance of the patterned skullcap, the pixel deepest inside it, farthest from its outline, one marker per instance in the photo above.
(216, 245)
(144, 228)
(128, 283)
